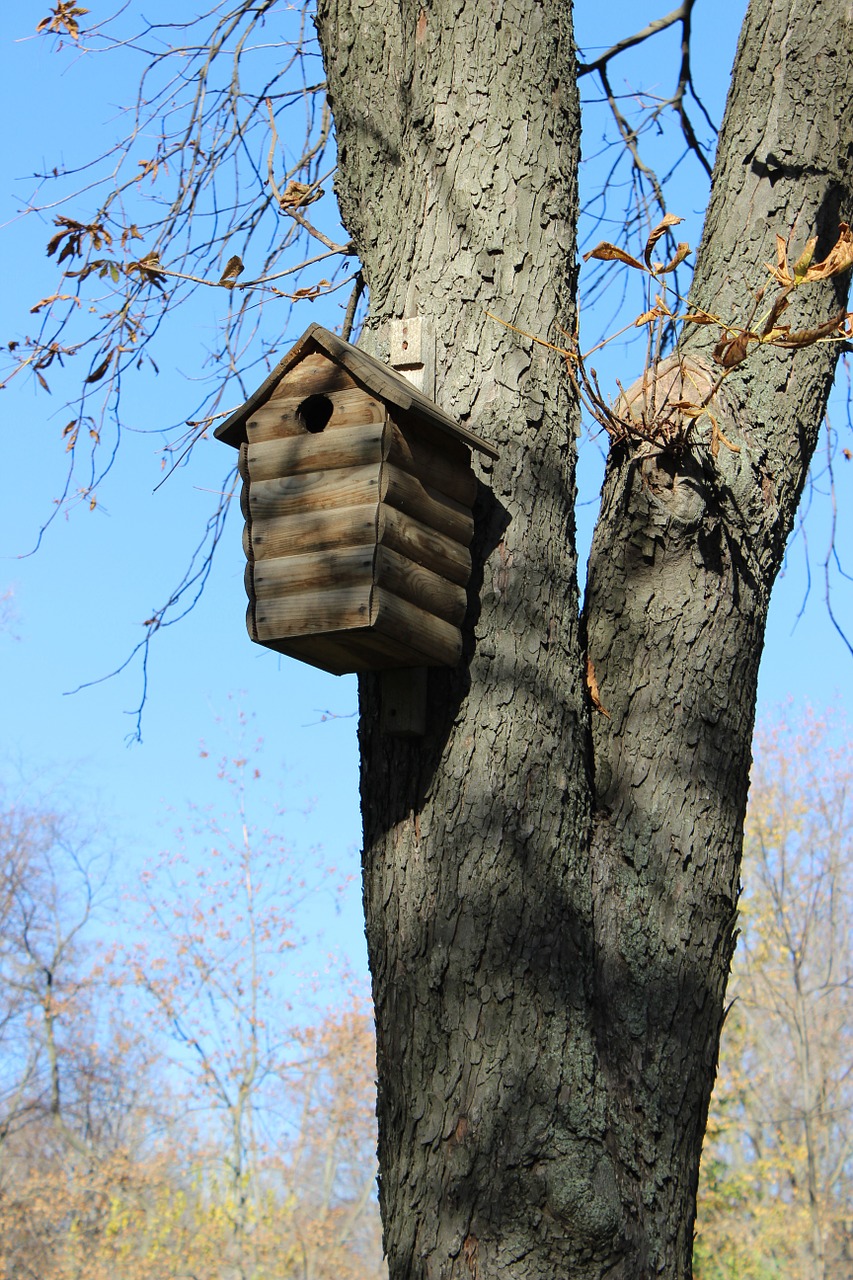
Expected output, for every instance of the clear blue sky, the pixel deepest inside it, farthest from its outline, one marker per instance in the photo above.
(79, 602)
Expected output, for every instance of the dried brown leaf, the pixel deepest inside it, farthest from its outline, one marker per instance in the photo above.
(681, 253)
(780, 304)
(839, 258)
(781, 271)
(791, 340)
(669, 220)
(97, 374)
(607, 252)
(54, 297)
(65, 16)
(297, 195)
(718, 438)
(730, 352)
(233, 268)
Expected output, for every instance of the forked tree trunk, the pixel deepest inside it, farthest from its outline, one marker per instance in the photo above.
(550, 893)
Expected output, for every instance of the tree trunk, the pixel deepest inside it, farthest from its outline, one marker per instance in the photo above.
(551, 902)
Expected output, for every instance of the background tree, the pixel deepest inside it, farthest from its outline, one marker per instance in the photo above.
(76, 1108)
(249, 1150)
(284, 1149)
(776, 1196)
(550, 886)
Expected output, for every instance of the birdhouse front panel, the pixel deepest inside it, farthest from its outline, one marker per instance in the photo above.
(358, 517)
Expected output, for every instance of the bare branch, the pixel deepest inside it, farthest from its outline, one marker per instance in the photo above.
(659, 24)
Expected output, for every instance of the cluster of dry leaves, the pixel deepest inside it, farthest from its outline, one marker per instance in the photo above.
(673, 398)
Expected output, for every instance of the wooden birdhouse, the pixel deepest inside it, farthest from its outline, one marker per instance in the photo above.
(357, 495)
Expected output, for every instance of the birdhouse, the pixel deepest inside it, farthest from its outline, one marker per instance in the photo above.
(357, 495)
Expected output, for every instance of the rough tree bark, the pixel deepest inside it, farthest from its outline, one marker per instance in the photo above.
(550, 893)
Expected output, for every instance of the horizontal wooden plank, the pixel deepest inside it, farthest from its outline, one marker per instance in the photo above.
(312, 612)
(314, 491)
(439, 643)
(420, 586)
(278, 418)
(436, 462)
(313, 531)
(408, 494)
(327, 451)
(353, 487)
(342, 566)
(418, 542)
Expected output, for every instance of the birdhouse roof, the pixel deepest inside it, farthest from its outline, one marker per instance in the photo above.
(376, 378)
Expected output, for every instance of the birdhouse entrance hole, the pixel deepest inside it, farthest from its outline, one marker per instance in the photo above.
(314, 413)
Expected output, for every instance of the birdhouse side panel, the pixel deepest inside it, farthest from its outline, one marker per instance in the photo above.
(426, 525)
(435, 643)
(425, 546)
(435, 457)
(410, 495)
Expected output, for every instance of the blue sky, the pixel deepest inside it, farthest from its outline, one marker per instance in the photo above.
(80, 601)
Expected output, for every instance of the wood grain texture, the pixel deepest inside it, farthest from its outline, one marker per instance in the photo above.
(329, 450)
(312, 531)
(344, 445)
(410, 495)
(425, 546)
(420, 586)
(315, 373)
(336, 652)
(313, 611)
(278, 417)
(437, 642)
(354, 487)
(270, 579)
(314, 491)
(435, 460)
